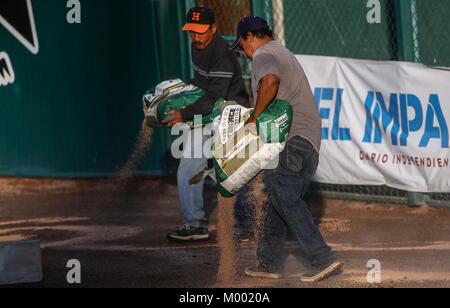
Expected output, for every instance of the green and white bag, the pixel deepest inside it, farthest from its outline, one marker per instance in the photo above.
(174, 94)
(240, 154)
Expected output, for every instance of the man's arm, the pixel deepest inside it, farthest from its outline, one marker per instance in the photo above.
(203, 106)
(219, 86)
(268, 90)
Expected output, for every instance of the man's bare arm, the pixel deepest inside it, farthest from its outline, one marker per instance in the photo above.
(268, 90)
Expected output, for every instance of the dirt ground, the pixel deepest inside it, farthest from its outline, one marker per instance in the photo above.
(119, 236)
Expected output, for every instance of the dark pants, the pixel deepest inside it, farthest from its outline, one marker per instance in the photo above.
(243, 213)
(287, 185)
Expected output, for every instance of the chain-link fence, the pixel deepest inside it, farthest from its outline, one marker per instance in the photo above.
(336, 28)
(433, 24)
(401, 30)
(405, 30)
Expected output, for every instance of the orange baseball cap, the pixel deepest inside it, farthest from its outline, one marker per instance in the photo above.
(199, 19)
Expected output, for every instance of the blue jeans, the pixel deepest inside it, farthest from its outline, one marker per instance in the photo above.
(191, 196)
(243, 213)
(287, 185)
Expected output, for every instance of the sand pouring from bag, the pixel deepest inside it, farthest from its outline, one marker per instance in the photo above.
(227, 241)
(258, 201)
(142, 144)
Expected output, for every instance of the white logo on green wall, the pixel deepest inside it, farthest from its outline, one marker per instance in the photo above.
(374, 15)
(74, 15)
(18, 18)
(6, 70)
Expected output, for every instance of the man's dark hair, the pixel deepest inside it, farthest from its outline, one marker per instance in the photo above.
(259, 33)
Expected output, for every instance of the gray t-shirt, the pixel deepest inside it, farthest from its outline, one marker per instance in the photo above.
(275, 59)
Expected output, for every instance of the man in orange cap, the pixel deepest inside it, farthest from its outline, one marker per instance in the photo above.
(218, 72)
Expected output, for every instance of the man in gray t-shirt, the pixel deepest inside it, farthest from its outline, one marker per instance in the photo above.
(277, 74)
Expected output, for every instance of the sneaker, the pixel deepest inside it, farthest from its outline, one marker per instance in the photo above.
(323, 272)
(187, 233)
(243, 237)
(253, 272)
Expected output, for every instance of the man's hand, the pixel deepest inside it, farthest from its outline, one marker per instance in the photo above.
(174, 118)
(251, 127)
(251, 120)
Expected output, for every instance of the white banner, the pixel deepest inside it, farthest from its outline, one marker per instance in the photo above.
(384, 123)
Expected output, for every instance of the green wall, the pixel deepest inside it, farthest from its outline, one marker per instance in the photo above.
(75, 107)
